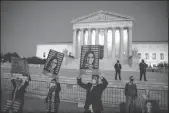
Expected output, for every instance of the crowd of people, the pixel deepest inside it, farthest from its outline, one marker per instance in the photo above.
(94, 89)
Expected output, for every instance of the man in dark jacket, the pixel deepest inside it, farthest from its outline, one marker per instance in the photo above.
(94, 93)
(143, 67)
(19, 95)
(117, 67)
(131, 94)
(54, 87)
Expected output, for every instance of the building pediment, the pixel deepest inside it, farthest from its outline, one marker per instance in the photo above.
(102, 16)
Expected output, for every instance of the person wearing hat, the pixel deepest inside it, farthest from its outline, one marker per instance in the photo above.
(143, 67)
(54, 89)
(117, 67)
(131, 94)
(94, 93)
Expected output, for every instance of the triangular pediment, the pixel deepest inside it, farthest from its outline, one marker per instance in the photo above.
(102, 16)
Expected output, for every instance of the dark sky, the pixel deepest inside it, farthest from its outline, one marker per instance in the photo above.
(24, 24)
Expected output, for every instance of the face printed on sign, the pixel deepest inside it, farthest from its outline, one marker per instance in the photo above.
(53, 64)
(149, 107)
(90, 58)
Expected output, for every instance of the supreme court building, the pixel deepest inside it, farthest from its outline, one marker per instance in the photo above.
(112, 31)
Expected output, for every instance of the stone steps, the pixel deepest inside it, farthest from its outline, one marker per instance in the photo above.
(105, 64)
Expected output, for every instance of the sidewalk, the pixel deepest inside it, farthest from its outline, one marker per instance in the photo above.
(34, 105)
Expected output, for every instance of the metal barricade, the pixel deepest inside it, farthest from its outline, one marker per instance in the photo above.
(74, 93)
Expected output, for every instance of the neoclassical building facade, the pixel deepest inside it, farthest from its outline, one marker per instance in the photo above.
(112, 31)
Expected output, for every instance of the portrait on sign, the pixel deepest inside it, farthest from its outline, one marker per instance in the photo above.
(89, 60)
(54, 61)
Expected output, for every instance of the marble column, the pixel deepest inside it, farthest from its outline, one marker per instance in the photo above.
(121, 45)
(105, 43)
(81, 41)
(113, 43)
(82, 37)
(74, 43)
(84, 40)
(97, 37)
(89, 36)
(130, 41)
(78, 43)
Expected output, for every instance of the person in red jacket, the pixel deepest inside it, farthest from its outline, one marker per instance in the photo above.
(94, 93)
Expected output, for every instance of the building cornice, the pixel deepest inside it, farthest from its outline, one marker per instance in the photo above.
(139, 42)
(102, 16)
(103, 25)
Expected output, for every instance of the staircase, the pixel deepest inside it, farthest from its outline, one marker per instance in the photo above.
(104, 64)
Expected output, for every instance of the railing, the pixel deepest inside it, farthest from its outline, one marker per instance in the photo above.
(73, 93)
(159, 70)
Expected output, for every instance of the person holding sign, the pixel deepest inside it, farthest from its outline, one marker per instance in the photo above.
(54, 89)
(89, 60)
(20, 80)
(23, 80)
(94, 93)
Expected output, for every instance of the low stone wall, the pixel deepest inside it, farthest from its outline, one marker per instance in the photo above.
(35, 65)
(8, 65)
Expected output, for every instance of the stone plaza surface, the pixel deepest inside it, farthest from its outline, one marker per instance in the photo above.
(35, 105)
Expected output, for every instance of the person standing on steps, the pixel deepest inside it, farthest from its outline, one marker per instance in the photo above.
(118, 67)
(143, 67)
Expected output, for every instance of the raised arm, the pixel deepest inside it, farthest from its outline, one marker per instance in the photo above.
(13, 83)
(58, 87)
(136, 90)
(126, 90)
(80, 83)
(104, 81)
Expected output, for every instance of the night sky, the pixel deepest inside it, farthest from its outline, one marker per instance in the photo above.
(24, 24)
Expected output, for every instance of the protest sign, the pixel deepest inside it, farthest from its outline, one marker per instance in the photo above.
(19, 66)
(89, 60)
(53, 63)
